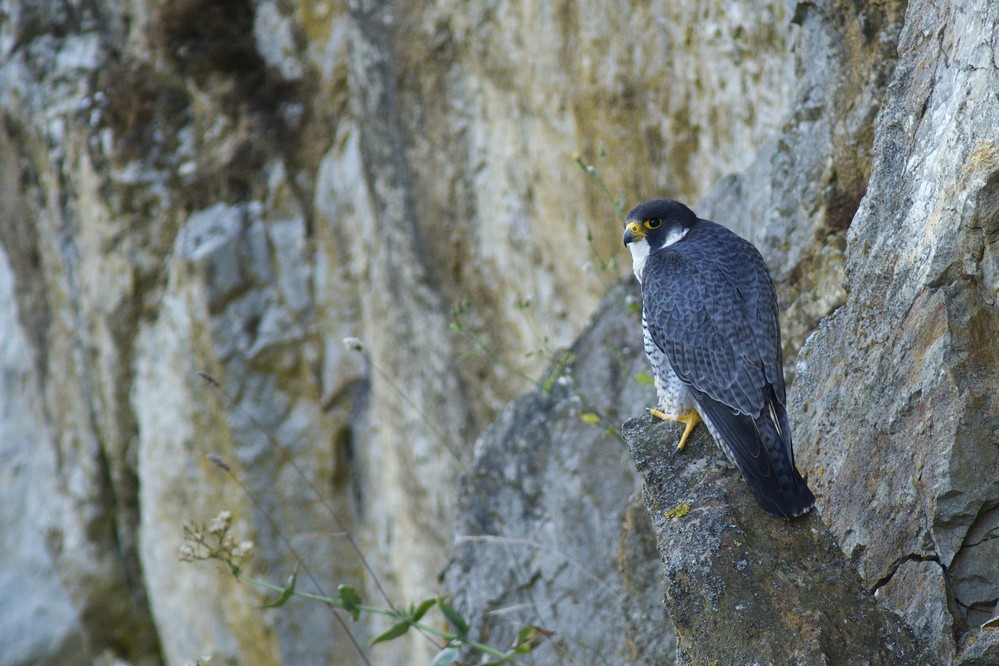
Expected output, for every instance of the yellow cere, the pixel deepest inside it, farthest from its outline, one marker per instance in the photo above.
(635, 228)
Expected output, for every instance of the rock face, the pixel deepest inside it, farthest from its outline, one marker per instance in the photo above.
(743, 587)
(578, 564)
(234, 187)
(37, 620)
(913, 382)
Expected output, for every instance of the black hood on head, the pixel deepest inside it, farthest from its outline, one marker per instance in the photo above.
(667, 210)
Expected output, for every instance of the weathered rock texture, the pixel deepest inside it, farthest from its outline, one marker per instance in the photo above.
(234, 186)
(745, 588)
(37, 620)
(581, 564)
(899, 412)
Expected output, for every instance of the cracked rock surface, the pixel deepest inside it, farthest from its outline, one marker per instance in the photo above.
(898, 413)
(742, 586)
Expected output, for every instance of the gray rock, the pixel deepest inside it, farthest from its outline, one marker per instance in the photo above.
(982, 649)
(743, 587)
(796, 199)
(580, 563)
(922, 585)
(897, 418)
(38, 623)
(972, 573)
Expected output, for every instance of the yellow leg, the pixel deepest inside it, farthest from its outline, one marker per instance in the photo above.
(690, 419)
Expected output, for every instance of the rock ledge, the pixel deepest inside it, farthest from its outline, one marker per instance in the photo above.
(742, 586)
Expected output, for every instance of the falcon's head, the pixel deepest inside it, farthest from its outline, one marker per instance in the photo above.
(652, 226)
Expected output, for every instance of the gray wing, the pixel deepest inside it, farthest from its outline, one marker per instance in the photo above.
(711, 308)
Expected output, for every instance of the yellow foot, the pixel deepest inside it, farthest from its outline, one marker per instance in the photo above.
(690, 419)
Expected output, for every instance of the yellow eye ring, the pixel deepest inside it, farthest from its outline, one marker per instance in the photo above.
(653, 223)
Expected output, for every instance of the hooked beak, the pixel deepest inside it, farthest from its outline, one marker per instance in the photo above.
(633, 232)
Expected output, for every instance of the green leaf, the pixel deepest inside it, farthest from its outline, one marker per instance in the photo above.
(530, 637)
(445, 657)
(459, 623)
(589, 418)
(286, 593)
(645, 378)
(350, 600)
(417, 613)
(396, 631)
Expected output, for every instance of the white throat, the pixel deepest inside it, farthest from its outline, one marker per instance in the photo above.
(639, 254)
(640, 250)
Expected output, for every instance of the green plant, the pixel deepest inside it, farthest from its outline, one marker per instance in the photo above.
(461, 325)
(616, 204)
(355, 344)
(215, 541)
(558, 365)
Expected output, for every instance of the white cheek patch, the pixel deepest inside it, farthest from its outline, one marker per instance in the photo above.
(640, 249)
(674, 236)
(639, 253)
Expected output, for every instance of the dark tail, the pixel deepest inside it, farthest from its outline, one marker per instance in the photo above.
(761, 448)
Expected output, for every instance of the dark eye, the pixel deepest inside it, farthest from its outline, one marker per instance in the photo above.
(653, 224)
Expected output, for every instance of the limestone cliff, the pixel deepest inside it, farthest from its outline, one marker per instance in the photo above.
(233, 187)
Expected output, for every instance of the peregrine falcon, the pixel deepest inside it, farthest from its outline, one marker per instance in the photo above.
(713, 338)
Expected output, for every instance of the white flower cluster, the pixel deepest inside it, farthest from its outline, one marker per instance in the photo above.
(353, 344)
(214, 542)
(220, 524)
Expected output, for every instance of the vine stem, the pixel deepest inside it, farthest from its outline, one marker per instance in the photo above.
(394, 614)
